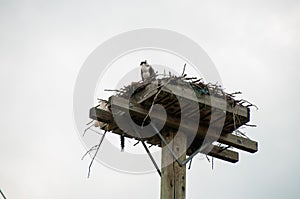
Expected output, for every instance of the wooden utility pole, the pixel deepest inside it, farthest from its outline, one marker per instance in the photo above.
(173, 178)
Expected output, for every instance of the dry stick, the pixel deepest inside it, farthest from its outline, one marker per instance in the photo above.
(207, 158)
(235, 93)
(112, 90)
(101, 140)
(250, 104)
(190, 165)
(159, 87)
(96, 131)
(90, 150)
(190, 78)
(155, 97)
(198, 80)
(251, 125)
(89, 128)
(89, 122)
(85, 130)
(122, 139)
(183, 69)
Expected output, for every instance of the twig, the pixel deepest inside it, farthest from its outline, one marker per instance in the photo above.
(198, 80)
(89, 128)
(235, 93)
(190, 165)
(101, 140)
(250, 104)
(90, 150)
(89, 122)
(207, 158)
(190, 78)
(85, 130)
(251, 125)
(122, 139)
(155, 97)
(96, 131)
(183, 69)
(113, 90)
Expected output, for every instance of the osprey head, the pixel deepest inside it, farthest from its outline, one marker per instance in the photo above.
(144, 63)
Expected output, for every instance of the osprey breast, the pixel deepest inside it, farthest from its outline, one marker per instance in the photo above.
(145, 69)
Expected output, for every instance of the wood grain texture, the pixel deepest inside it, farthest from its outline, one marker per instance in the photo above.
(173, 180)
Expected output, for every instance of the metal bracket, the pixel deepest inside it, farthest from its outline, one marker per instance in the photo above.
(147, 150)
(2, 194)
(181, 163)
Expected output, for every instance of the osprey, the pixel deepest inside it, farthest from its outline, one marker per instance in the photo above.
(147, 71)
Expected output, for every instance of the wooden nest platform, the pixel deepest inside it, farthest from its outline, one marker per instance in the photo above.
(189, 105)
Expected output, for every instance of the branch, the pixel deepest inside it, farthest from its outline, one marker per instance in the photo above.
(190, 165)
(89, 122)
(101, 140)
(96, 131)
(90, 150)
(183, 69)
(85, 130)
(136, 143)
(250, 125)
(235, 93)
(250, 104)
(155, 97)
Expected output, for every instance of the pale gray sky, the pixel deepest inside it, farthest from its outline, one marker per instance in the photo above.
(254, 45)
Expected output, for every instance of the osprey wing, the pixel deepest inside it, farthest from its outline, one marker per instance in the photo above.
(151, 71)
(142, 75)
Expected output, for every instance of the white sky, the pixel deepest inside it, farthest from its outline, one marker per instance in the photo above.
(254, 44)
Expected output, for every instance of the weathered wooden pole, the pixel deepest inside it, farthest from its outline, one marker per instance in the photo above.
(173, 177)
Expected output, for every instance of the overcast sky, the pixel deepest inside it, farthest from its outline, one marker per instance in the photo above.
(254, 45)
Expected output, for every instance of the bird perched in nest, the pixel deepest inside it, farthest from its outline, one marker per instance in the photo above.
(147, 71)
